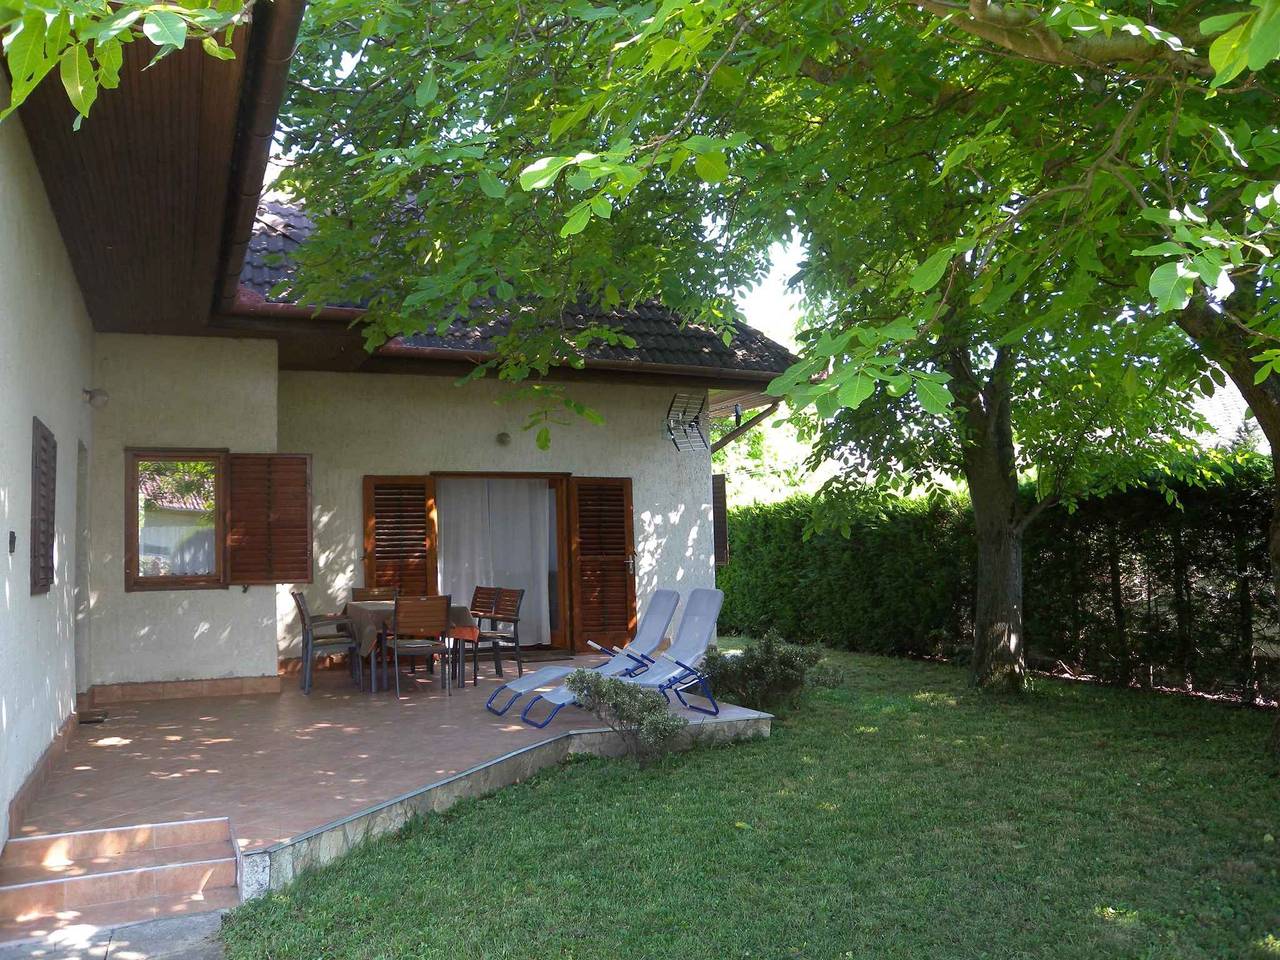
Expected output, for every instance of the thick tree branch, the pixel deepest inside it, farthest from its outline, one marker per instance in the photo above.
(1019, 31)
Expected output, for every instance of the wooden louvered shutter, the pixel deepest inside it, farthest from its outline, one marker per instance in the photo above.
(44, 485)
(269, 518)
(400, 534)
(604, 583)
(719, 519)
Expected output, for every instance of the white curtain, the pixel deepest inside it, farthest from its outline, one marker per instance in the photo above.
(497, 533)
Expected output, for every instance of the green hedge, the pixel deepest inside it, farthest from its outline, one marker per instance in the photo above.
(1192, 584)
(900, 582)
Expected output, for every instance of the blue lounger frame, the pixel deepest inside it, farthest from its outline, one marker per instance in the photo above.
(677, 684)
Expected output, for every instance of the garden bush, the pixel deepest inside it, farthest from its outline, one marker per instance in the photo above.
(765, 674)
(1127, 588)
(639, 716)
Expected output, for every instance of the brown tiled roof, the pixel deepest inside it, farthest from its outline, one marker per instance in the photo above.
(660, 338)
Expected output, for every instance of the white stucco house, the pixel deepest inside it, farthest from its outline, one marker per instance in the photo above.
(178, 451)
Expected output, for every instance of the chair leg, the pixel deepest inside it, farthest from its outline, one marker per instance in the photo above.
(497, 656)
(306, 664)
(475, 664)
(515, 635)
(395, 653)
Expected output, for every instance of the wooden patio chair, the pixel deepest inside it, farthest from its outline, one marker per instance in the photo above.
(378, 593)
(482, 601)
(419, 626)
(317, 637)
(505, 613)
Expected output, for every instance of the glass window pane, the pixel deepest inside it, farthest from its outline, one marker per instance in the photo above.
(177, 527)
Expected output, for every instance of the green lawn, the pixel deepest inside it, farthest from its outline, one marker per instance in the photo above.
(897, 816)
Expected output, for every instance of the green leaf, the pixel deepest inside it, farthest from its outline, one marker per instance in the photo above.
(543, 438)
(426, 90)
(26, 59)
(542, 173)
(602, 206)
(1212, 25)
(1171, 285)
(1129, 382)
(926, 276)
(1229, 54)
(934, 397)
(853, 392)
(77, 78)
(217, 50)
(578, 220)
(112, 26)
(1166, 249)
(491, 185)
(110, 58)
(569, 119)
(165, 28)
(712, 167)
(1264, 45)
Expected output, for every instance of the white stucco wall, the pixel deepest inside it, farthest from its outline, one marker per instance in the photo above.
(45, 362)
(175, 392)
(357, 424)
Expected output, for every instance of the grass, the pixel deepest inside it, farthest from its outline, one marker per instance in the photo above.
(898, 815)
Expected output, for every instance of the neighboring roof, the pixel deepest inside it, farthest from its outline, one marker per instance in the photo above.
(163, 496)
(661, 340)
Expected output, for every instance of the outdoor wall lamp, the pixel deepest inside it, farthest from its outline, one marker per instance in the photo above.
(95, 397)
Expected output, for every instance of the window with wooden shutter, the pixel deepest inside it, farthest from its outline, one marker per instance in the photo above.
(175, 523)
(269, 518)
(604, 583)
(44, 484)
(719, 519)
(400, 534)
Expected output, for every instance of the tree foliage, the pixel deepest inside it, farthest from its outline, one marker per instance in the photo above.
(84, 40)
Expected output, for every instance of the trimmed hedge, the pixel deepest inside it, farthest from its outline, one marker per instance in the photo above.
(1128, 588)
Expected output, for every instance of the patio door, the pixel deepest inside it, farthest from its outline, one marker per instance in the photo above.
(603, 551)
(400, 533)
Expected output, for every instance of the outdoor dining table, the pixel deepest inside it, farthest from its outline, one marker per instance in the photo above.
(373, 617)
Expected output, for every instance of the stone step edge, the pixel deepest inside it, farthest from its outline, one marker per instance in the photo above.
(116, 873)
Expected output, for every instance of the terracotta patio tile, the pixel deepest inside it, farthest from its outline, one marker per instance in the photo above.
(276, 764)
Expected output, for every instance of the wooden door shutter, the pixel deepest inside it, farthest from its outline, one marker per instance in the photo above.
(604, 584)
(269, 518)
(400, 534)
(719, 519)
(44, 486)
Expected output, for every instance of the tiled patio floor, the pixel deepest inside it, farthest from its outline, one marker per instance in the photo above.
(277, 765)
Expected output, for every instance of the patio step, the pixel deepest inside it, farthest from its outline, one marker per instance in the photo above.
(115, 876)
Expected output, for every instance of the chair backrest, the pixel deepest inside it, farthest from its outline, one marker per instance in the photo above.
(303, 613)
(482, 601)
(507, 607)
(373, 593)
(421, 616)
(696, 626)
(653, 624)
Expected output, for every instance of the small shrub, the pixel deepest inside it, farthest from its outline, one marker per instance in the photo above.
(639, 716)
(826, 675)
(766, 674)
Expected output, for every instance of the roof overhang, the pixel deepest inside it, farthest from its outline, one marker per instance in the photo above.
(155, 194)
(328, 339)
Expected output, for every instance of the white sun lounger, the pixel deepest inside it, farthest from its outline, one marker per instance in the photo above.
(635, 656)
(673, 671)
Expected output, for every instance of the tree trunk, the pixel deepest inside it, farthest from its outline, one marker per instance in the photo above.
(1244, 608)
(1233, 349)
(1121, 652)
(1182, 605)
(999, 653)
(999, 648)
